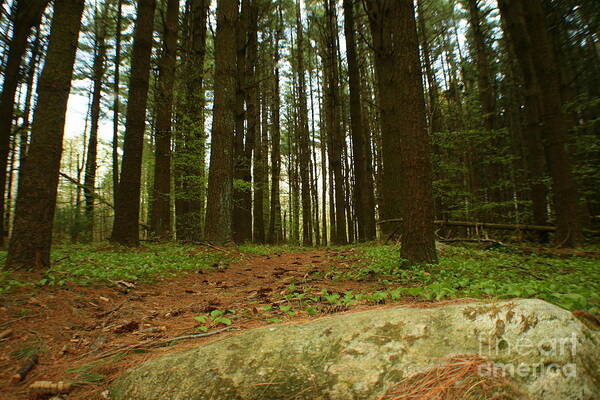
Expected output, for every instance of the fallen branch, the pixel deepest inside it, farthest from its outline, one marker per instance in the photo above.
(454, 240)
(486, 225)
(158, 343)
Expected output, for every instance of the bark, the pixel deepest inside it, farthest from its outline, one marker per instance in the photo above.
(254, 141)
(34, 214)
(243, 143)
(435, 115)
(414, 168)
(303, 133)
(487, 97)
(323, 148)
(116, 102)
(332, 108)
(531, 137)
(363, 189)
(98, 70)
(220, 178)
(275, 234)
(32, 67)
(160, 219)
(190, 173)
(28, 14)
(528, 33)
(313, 168)
(487, 100)
(383, 28)
(127, 206)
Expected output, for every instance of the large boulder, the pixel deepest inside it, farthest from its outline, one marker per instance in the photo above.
(545, 351)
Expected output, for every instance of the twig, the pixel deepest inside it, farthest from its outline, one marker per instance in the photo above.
(105, 313)
(158, 343)
(448, 240)
(17, 319)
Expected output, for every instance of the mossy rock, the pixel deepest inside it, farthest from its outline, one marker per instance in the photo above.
(361, 355)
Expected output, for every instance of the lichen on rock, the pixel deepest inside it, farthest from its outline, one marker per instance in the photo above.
(361, 355)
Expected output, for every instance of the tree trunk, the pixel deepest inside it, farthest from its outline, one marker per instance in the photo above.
(220, 177)
(275, 235)
(435, 115)
(531, 138)
(242, 193)
(116, 102)
(363, 188)
(324, 171)
(414, 169)
(34, 215)
(32, 67)
(127, 206)
(160, 220)
(333, 116)
(313, 168)
(303, 133)
(383, 28)
(253, 148)
(98, 70)
(190, 173)
(529, 36)
(28, 13)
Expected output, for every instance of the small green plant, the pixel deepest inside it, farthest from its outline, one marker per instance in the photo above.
(86, 264)
(287, 310)
(215, 318)
(311, 311)
(572, 283)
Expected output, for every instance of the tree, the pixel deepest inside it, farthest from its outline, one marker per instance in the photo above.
(219, 206)
(28, 14)
(384, 28)
(190, 154)
(528, 32)
(275, 235)
(243, 140)
(116, 100)
(32, 234)
(363, 190)
(160, 221)
(332, 111)
(127, 207)
(395, 22)
(253, 150)
(303, 133)
(98, 70)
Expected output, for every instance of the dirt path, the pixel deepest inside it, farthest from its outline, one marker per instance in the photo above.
(73, 326)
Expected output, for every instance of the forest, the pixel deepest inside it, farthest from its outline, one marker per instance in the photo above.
(180, 173)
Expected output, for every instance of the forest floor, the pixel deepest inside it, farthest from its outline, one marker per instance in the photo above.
(102, 309)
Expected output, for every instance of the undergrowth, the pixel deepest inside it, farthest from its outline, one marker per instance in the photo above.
(264, 250)
(572, 283)
(86, 264)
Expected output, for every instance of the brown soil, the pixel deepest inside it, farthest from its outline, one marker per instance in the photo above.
(75, 326)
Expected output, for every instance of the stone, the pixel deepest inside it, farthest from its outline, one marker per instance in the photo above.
(545, 351)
